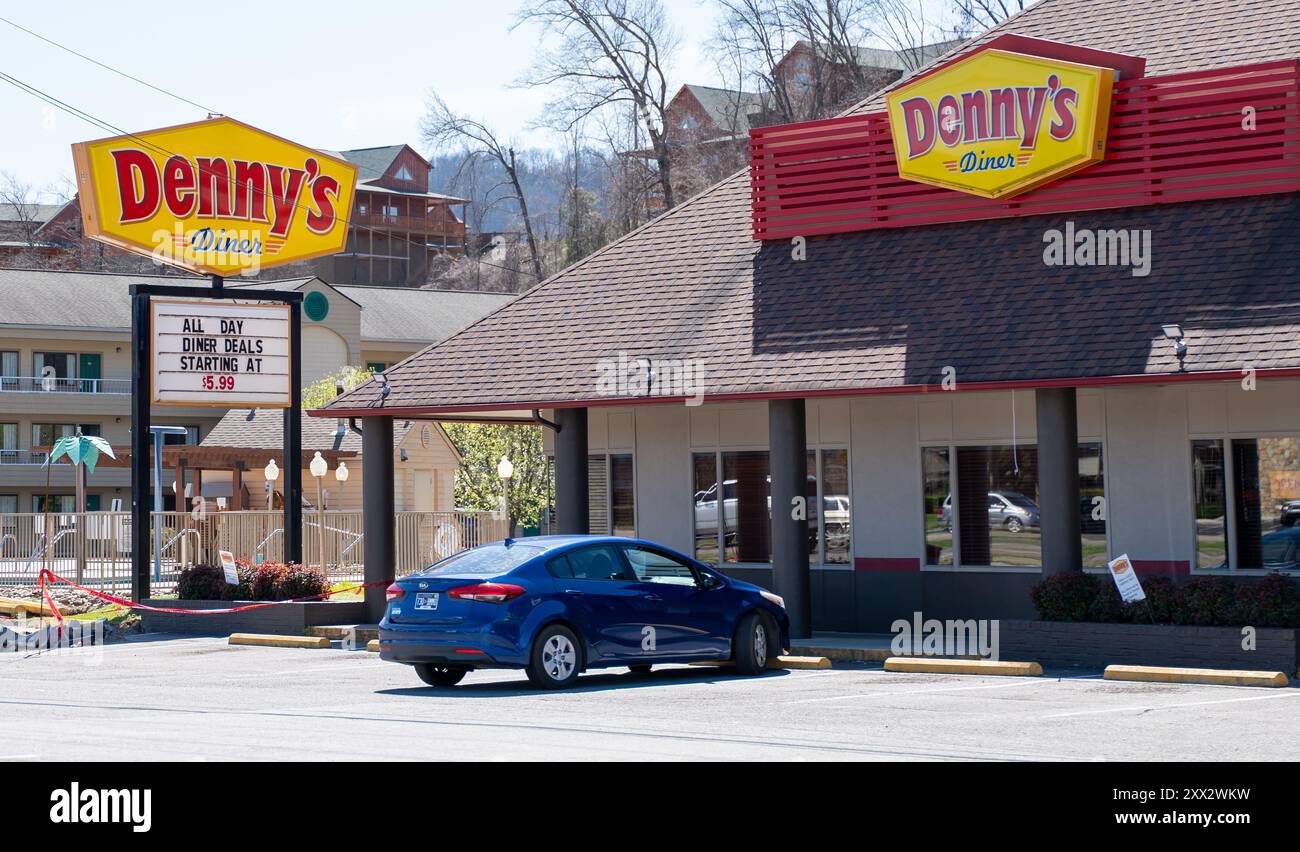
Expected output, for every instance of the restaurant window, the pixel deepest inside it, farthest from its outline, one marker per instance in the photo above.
(622, 491)
(1004, 481)
(1266, 504)
(597, 496)
(836, 514)
(1092, 506)
(704, 473)
(936, 504)
(746, 512)
(1210, 502)
(611, 482)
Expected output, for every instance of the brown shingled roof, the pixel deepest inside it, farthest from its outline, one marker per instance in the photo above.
(889, 309)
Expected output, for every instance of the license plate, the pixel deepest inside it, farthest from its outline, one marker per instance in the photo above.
(426, 600)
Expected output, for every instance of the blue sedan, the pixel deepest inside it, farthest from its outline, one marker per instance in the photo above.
(556, 606)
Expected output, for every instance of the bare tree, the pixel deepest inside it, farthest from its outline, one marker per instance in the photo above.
(604, 53)
(983, 14)
(443, 128)
(908, 28)
(23, 200)
(807, 56)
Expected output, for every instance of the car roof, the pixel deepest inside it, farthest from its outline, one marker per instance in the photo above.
(557, 542)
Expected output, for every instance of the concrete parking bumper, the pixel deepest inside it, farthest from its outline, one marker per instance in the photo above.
(936, 665)
(1221, 677)
(268, 641)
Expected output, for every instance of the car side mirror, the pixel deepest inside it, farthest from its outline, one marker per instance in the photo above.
(708, 582)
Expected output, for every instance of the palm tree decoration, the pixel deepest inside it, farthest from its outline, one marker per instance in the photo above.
(82, 452)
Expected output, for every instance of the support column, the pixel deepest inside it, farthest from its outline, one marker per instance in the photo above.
(140, 486)
(379, 518)
(571, 494)
(293, 444)
(788, 454)
(1058, 479)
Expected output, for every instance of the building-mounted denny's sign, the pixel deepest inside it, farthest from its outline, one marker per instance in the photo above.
(216, 197)
(998, 123)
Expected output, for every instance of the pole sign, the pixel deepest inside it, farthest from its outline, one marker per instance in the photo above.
(1126, 579)
(221, 354)
(997, 124)
(216, 197)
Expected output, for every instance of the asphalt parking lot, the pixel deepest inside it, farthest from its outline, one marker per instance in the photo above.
(159, 698)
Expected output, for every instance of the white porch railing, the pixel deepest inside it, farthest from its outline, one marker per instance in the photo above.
(94, 548)
(51, 384)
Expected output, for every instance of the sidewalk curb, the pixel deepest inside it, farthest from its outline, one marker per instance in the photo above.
(1221, 677)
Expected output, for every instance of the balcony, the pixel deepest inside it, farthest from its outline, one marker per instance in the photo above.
(410, 224)
(35, 384)
(22, 458)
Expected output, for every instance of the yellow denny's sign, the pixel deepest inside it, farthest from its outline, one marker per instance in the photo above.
(997, 123)
(216, 197)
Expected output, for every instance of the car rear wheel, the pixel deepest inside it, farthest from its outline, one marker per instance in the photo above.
(1014, 525)
(753, 644)
(440, 675)
(553, 662)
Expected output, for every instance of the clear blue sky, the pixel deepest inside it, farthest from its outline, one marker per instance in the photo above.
(350, 78)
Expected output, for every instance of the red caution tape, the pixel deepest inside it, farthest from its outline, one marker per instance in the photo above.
(177, 611)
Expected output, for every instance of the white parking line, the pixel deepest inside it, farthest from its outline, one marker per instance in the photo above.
(1152, 707)
(893, 692)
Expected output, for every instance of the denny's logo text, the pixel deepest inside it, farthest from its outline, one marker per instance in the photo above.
(216, 197)
(997, 123)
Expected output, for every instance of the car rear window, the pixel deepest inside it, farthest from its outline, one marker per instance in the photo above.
(488, 560)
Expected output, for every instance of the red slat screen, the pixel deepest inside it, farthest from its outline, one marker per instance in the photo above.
(1173, 138)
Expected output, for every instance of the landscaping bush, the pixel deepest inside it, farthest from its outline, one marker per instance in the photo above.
(1068, 596)
(270, 581)
(1206, 601)
(1272, 602)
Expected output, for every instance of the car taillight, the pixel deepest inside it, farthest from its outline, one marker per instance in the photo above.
(394, 593)
(487, 592)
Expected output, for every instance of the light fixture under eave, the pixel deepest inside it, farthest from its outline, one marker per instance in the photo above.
(1174, 331)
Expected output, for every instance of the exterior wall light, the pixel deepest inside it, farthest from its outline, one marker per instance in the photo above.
(1173, 331)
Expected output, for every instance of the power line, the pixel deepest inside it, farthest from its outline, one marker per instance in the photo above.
(94, 61)
(104, 125)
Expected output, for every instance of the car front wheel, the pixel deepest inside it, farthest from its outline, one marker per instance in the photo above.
(753, 644)
(1014, 525)
(440, 675)
(553, 662)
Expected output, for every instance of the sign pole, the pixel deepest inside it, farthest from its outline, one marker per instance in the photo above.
(293, 443)
(141, 394)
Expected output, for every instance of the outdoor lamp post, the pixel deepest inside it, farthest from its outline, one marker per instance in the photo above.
(341, 474)
(272, 473)
(505, 470)
(318, 467)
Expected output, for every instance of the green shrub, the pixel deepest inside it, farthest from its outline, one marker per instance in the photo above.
(1205, 601)
(1274, 601)
(270, 581)
(1068, 596)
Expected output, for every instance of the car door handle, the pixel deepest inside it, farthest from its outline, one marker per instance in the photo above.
(654, 598)
(574, 592)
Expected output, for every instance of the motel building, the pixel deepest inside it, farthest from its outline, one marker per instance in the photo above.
(972, 372)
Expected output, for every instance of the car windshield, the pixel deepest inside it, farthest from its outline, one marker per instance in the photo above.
(487, 560)
(1018, 500)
